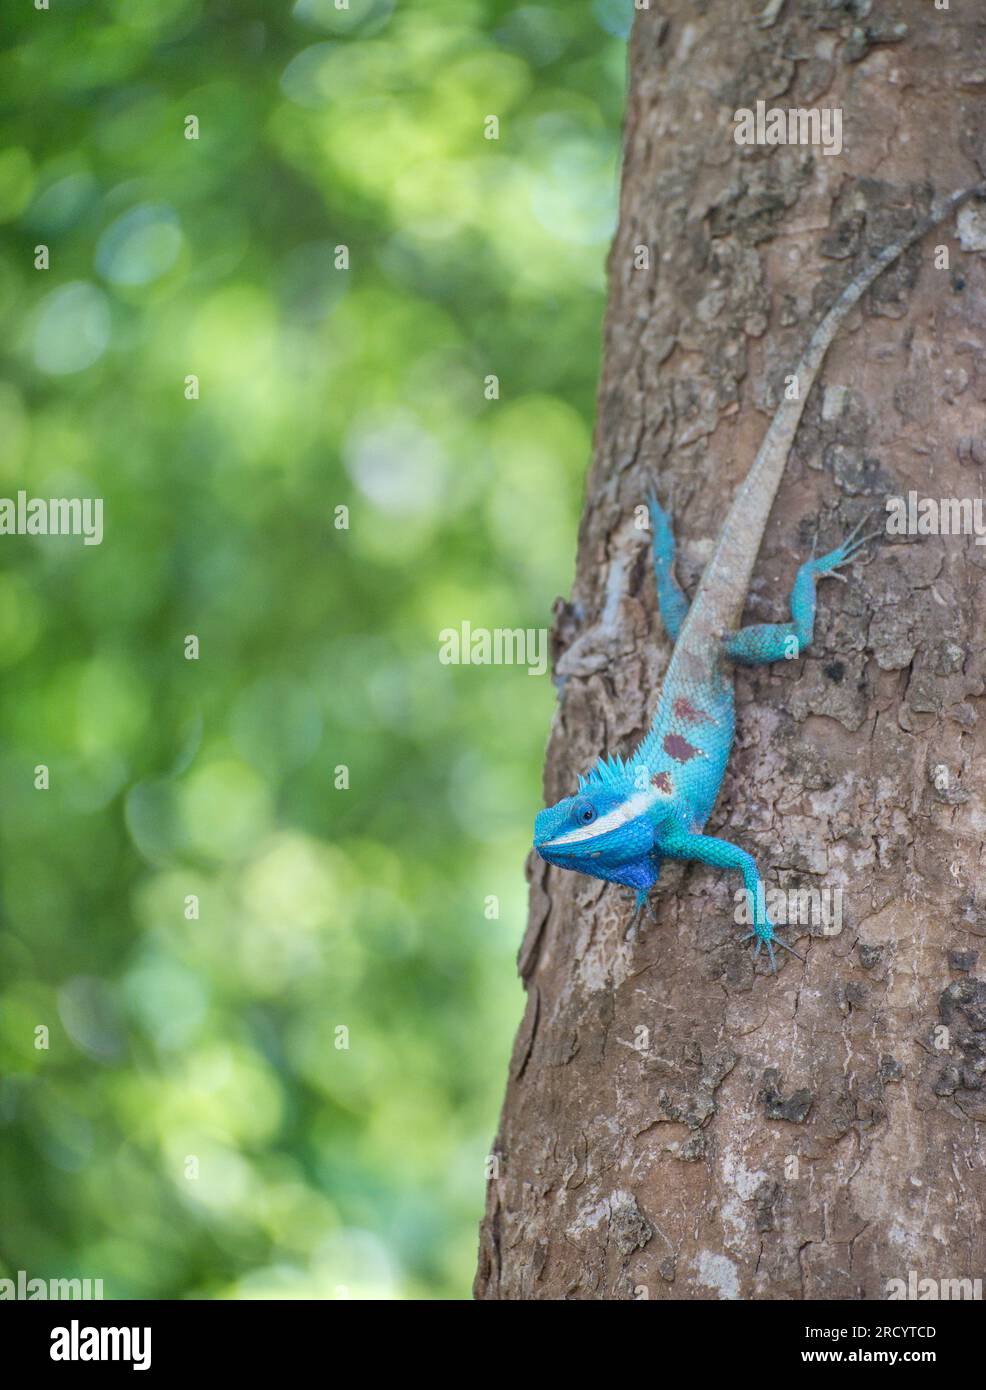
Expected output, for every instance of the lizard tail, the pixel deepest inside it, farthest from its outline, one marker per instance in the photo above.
(727, 574)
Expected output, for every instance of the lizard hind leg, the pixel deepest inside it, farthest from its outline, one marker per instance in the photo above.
(766, 642)
(670, 596)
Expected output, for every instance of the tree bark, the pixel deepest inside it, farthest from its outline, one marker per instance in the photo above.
(677, 1122)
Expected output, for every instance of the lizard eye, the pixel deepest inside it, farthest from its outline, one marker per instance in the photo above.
(585, 812)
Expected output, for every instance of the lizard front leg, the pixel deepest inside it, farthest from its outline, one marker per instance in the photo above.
(720, 854)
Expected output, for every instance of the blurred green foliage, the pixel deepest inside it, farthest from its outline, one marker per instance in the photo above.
(321, 1171)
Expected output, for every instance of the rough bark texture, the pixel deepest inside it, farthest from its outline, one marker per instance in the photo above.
(677, 1124)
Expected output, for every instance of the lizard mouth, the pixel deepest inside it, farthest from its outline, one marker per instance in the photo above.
(561, 860)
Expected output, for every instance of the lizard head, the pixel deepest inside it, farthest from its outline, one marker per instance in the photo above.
(608, 828)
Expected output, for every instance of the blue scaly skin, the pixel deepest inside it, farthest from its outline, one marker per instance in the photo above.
(629, 815)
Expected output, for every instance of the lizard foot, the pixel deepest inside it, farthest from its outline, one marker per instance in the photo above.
(828, 566)
(770, 939)
(640, 913)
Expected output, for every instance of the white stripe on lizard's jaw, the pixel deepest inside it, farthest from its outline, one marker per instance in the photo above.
(628, 810)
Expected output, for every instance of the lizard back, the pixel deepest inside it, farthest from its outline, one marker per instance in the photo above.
(691, 734)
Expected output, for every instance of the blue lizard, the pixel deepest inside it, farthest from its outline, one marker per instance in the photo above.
(631, 814)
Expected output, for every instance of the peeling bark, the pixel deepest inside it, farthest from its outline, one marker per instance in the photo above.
(677, 1123)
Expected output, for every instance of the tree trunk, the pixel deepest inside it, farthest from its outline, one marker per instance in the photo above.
(677, 1122)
